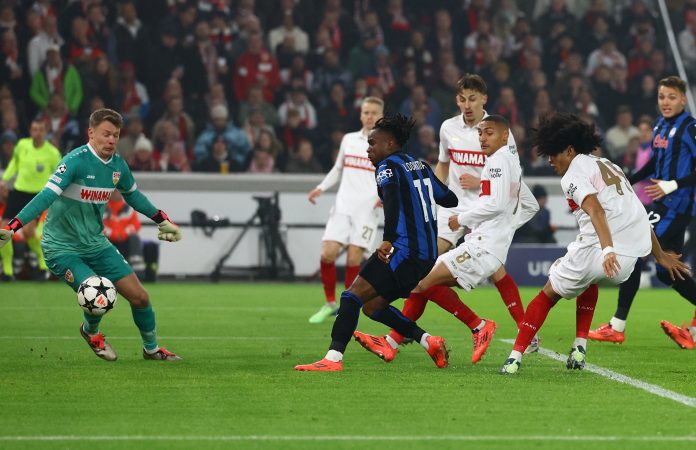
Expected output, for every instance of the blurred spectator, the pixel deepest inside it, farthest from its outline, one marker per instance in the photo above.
(256, 101)
(55, 76)
(132, 38)
(141, 160)
(426, 147)
(63, 130)
(220, 126)
(593, 40)
(643, 96)
(134, 98)
(506, 106)
(619, 135)
(687, 44)
(292, 132)
(639, 58)
(182, 122)
(261, 162)
(254, 124)
(12, 69)
(174, 158)
(129, 135)
(442, 92)
(337, 113)
(422, 108)
(303, 160)
(166, 61)
(288, 29)
(201, 64)
(297, 70)
(103, 81)
(8, 139)
(484, 30)
(81, 48)
(297, 100)
(219, 160)
(256, 66)
(330, 72)
(539, 228)
(386, 80)
(444, 36)
(606, 55)
(362, 59)
(39, 44)
(418, 56)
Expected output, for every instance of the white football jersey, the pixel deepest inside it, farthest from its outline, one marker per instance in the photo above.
(626, 216)
(499, 209)
(460, 147)
(357, 193)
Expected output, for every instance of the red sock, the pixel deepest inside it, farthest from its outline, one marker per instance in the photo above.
(328, 279)
(448, 300)
(511, 297)
(533, 319)
(351, 274)
(585, 311)
(413, 309)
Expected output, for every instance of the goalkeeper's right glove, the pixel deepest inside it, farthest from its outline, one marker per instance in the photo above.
(8, 231)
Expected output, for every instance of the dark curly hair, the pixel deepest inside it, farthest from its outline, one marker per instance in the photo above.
(559, 130)
(397, 125)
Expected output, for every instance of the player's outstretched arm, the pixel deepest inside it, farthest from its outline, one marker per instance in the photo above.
(599, 221)
(670, 261)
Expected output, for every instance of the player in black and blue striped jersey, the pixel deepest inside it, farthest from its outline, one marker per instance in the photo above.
(672, 170)
(409, 191)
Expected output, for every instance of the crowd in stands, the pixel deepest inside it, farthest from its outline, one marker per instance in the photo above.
(272, 85)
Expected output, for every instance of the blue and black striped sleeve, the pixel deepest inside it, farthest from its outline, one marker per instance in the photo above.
(388, 183)
(689, 143)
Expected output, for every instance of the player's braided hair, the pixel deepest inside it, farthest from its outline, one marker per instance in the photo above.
(398, 126)
(557, 131)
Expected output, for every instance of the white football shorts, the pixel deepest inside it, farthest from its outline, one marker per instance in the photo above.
(580, 267)
(443, 229)
(469, 265)
(358, 230)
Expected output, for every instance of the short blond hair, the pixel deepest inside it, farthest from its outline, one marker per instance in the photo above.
(105, 115)
(375, 101)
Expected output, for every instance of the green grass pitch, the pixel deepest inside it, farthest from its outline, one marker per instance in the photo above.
(236, 388)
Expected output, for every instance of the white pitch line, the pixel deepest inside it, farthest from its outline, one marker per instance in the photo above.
(621, 378)
(178, 338)
(471, 438)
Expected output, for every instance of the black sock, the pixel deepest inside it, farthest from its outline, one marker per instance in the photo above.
(686, 288)
(346, 321)
(393, 318)
(628, 290)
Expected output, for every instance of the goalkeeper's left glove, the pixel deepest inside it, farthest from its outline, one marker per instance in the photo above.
(168, 231)
(8, 231)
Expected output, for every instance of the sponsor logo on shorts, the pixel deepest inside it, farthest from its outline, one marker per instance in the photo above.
(62, 168)
(115, 177)
(69, 276)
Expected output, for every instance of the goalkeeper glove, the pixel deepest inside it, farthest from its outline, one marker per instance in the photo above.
(8, 231)
(168, 231)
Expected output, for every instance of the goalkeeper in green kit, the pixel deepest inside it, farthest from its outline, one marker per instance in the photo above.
(74, 245)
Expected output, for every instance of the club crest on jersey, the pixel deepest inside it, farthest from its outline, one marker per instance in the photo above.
(115, 177)
(383, 175)
(672, 132)
(69, 276)
(62, 168)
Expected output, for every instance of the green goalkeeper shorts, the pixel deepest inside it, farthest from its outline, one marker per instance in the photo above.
(74, 268)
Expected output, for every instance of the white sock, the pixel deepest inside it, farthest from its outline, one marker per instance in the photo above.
(424, 340)
(333, 355)
(331, 304)
(618, 324)
(517, 355)
(692, 330)
(392, 342)
(479, 327)
(151, 352)
(580, 341)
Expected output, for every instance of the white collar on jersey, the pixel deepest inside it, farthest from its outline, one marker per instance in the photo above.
(94, 152)
(475, 127)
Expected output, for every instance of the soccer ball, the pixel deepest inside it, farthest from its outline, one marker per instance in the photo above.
(96, 295)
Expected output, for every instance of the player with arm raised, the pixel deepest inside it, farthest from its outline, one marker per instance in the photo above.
(73, 241)
(614, 233)
(461, 161)
(354, 218)
(33, 160)
(409, 191)
(673, 173)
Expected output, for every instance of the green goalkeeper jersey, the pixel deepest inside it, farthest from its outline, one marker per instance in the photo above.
(77, 193)
(32, 165)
